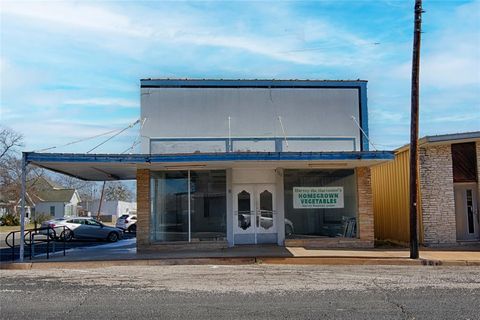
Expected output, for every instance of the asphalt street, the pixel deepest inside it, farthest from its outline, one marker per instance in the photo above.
(242, 292)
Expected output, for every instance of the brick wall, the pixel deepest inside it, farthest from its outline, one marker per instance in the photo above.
(143, 208)
(437, 196)
(365, 204)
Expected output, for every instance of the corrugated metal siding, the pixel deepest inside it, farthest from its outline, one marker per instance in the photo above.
(390, 186)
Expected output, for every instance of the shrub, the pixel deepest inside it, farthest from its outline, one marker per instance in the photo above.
(41, 217)
(9, 220)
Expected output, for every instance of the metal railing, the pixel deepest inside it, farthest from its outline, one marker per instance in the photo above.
(37, 236)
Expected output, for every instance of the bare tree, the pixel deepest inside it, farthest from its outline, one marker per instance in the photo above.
(116, 190)
(86, 189)
(11, 167)
(10, 141)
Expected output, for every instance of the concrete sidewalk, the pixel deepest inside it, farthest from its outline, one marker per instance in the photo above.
(124, 253)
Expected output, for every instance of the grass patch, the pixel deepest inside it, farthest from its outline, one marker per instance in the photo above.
(7, 229)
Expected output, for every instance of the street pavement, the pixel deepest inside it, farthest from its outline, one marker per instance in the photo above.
(242, 292)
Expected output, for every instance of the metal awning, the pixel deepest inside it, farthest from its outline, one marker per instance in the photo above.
(102, 167)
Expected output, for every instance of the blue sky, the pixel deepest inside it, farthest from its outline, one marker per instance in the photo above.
(71, 69)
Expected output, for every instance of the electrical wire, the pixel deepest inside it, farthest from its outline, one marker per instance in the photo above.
(79, 140)
(136, 142)
(366, 137)
(116, 134)
(90, 138)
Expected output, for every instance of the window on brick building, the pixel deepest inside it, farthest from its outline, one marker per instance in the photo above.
(464, 161)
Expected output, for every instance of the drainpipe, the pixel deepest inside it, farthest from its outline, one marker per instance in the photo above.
(22, 210)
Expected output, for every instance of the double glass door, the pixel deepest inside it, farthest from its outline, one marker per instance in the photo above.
(254, 212)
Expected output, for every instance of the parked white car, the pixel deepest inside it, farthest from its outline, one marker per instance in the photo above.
(82, 228)
(127, 222)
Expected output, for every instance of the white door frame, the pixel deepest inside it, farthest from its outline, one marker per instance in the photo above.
(466, 211)
(252, 218)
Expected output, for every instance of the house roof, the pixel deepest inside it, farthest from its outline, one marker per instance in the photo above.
(450, 138)
(55, 195)
(45, 190)
(102, 167)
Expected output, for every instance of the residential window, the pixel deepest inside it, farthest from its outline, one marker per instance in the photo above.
(52, 211)
(177, 217)
(320, 203)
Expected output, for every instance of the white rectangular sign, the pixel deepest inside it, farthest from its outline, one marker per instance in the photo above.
(317, 197)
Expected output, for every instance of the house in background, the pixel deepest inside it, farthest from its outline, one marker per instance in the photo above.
(12, 206)
(449, 167)
(52, 199)
(110, 211)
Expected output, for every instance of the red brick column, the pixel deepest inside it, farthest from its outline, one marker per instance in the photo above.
(365, 205)
(143, 208)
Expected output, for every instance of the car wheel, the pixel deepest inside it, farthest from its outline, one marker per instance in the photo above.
(66, 235)
(132, 228)
(112, 237)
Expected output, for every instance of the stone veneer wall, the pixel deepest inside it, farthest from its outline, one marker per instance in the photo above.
(143, 208)
(437, 195)
(365, 220)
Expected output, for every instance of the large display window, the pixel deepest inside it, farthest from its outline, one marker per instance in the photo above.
(188, 206)
(320, 203)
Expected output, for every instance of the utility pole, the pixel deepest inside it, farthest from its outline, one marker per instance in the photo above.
(414, 130)
(101, 200)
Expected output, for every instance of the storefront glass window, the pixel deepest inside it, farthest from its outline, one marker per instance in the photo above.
(170, 206)
(208, 205)
(320, 203)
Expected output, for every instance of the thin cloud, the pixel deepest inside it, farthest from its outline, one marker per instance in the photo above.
(189, 30)
(104, 102)
(95, 18)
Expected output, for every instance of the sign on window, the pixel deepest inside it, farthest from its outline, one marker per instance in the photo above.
(317, 197)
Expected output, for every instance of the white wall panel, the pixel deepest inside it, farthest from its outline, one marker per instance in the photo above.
(254, 112)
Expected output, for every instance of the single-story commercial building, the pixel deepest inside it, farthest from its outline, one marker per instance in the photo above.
(110, 210)
(449, 170)
(235, 162)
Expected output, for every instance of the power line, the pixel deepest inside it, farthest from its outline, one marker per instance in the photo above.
(79, 140)
(116, 134)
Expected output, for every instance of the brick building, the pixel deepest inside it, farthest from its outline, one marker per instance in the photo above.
(449, 174)
(245, 162)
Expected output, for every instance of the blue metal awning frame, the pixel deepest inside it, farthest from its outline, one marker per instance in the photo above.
(102, 167)
(33, 157)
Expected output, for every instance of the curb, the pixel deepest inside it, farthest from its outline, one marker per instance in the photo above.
(339, 261)
(114, 263)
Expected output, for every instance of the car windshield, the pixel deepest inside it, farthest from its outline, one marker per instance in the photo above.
(123, 216)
